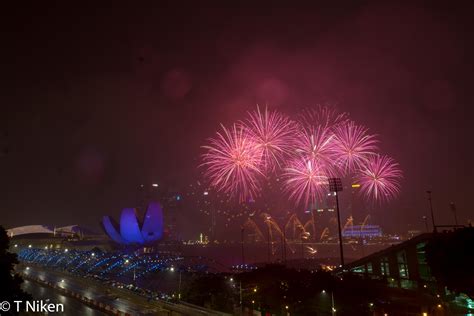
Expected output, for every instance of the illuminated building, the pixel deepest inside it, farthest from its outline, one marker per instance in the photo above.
(134, 231)
(404, 265)
(362, 231)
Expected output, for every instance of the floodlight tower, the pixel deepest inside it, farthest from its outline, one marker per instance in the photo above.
(335, 185)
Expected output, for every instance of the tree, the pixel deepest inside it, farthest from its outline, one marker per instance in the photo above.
(273, 288)
(451, 260)
(10, 282)
(211, 290)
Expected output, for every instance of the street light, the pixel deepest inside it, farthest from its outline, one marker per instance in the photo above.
(242, 243)
(179, 285)
(431, 209)
(425, 219)
(335, 185)
(333, 308)
(453, 209)
(268, 218)
(240, 297)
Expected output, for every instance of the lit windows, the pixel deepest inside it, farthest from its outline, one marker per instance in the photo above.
(402, 264)
(384, 267)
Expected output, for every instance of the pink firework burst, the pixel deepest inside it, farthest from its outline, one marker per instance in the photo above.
(352, 146)
(273, 133)
(305, 181)
(316, 144)
(232, 163)
(380, 178)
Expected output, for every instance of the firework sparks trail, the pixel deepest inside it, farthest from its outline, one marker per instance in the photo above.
(352, 146)
(273, 133)
(322, 115)
(233, 163)
(306, 182)
(380, 178)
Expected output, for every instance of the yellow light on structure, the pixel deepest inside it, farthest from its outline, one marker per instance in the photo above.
(286, 306)
(439, 305)
(425, 314)
(356, 185)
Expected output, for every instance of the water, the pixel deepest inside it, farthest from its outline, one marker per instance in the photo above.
(71, 306)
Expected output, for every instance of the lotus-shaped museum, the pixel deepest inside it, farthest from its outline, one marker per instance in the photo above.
(133, 230)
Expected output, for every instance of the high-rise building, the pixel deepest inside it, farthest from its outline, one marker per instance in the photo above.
(357, 207)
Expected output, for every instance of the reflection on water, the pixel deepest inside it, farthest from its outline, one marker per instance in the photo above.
(71, 306)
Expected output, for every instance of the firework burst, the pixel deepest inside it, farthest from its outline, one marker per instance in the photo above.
(273, 133)
(233, 163)
(322, 144)
(379, 178)
(316, 145)
(305, 181)
(352, 146)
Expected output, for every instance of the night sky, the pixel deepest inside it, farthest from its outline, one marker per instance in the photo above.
(97, 100)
